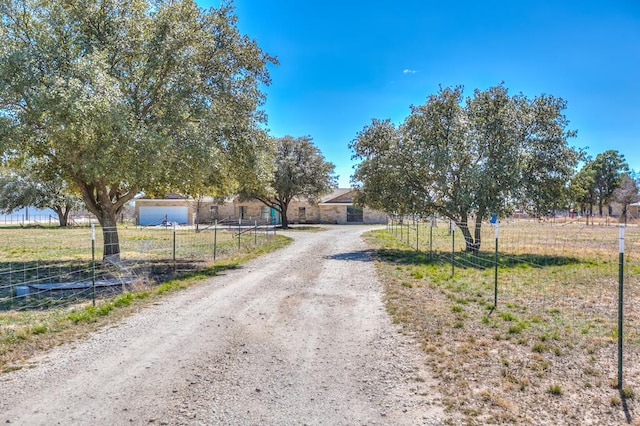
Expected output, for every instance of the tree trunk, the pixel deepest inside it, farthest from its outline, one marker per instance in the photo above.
(111, 245)
(477, 235)
(63, 215)
(283, 215)
(471, 245)
(64, 220)
(198, 205)
(105, 202)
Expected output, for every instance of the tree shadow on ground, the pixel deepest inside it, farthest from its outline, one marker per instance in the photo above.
(358, 256)
(479, 260)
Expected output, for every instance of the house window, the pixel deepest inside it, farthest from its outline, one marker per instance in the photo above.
(266, 213)
(354, 214)
(242, 213)
(302, 214)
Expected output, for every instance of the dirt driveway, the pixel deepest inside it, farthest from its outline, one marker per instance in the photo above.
(297, 337)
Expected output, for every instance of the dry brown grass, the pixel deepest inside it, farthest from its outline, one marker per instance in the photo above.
(548, 353)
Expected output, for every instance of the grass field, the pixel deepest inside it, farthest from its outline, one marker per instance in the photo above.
(48, 255)
(547, 353)
(24, 332)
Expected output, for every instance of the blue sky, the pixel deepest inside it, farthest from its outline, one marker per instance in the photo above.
(343, 63)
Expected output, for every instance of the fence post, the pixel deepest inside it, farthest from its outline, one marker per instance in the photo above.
(495, 272)
(215, 238)
(173, 227)
(417, 235)
(453, 247)
(255, 233)
(239, 233)
(431, 239)
(408, 234)
(620, 303)
(401, 230)
(93, 264)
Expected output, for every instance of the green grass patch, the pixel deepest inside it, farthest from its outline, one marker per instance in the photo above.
(22, 332)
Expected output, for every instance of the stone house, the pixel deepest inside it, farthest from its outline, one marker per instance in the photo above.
(336, 207)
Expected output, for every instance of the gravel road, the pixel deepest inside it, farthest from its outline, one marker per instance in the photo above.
(296, 337)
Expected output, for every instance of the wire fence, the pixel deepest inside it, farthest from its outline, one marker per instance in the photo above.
(572, 282)
(47, 267)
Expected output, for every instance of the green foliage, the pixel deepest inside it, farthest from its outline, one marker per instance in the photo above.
(123, 300)
(609, 168)
(300, 171)
(33, 188)
(599, 179)
(507, 316)
(87, 314)
(555, 389)
(122, 97)
(628, 392)
(490, 155)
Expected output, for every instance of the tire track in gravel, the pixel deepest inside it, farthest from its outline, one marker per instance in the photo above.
(299, 336)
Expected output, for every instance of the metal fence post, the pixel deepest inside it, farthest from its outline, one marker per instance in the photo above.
(453, 247)
(239, 233)
(174, 245)
(215, 239)
(431, 239)
(93, 264)
(255, 233)
(408, 234)
(495, 272)
(620, 303)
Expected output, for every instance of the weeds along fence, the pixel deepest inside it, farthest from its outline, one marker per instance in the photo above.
(574, 282)
(49, 266)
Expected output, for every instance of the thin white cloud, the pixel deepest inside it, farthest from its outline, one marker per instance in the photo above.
(408, 71)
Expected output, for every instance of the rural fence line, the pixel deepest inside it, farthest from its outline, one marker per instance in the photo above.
(580, 280)
(50, 267)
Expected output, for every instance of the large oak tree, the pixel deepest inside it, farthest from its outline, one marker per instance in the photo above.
(124, 96)
(467, 160)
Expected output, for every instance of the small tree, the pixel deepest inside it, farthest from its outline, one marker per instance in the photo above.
(582, 190)
(626, 194)
(18, 192)
(609, 167)
(300, 171)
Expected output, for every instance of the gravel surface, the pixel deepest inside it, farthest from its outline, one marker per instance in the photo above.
(299, 336)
